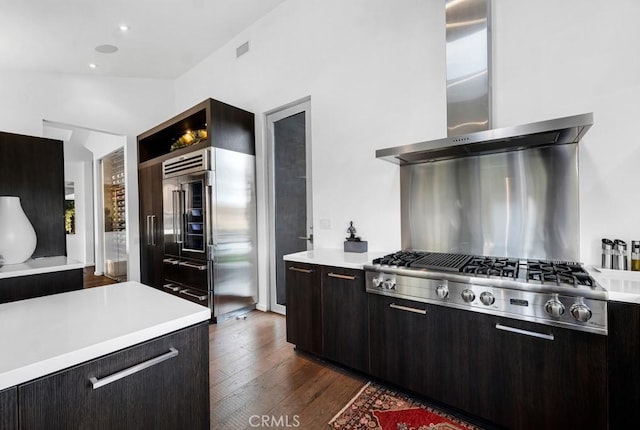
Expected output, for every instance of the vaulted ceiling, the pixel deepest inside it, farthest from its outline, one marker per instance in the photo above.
(164, 38)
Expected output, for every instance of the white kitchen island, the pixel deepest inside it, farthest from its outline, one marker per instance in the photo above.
(77, 350)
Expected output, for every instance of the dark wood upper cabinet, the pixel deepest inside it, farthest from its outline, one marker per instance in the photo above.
(32, 168)
(227, 127)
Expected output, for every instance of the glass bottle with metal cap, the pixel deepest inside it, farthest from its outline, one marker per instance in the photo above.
(635, 255)
(620, 260)
(607, 251)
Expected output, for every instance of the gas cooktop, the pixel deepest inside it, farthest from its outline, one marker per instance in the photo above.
(541, 272)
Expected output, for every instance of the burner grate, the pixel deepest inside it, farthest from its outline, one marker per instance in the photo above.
(440, 261)
(493, 266)
(558, 272)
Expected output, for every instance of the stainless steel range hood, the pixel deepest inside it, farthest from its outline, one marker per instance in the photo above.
(558, 131)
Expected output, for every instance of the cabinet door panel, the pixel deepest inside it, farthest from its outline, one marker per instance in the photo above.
(9, 409)
(624, 364)
(151, 225)
(543, 382)
(399, 345)
(171, 394)
(304, 312)
(345, 317)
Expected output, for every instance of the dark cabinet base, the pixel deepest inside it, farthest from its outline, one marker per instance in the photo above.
(170, 394)
(42, 284)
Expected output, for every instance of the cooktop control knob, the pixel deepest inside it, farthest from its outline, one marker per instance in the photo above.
(468, 295)
(554, 307)
(487, 298)
(377, 281)
(390, 284)
(580, 311)
(442, 291)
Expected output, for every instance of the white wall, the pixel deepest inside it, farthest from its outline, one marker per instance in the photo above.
(370, 71)
(121, 106)
(375, 71)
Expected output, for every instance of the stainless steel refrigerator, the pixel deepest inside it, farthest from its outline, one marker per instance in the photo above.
(209, 212)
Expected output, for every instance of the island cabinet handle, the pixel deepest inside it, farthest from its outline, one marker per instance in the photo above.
(297, 269)
(408, 309)
(525, 332)
(339, 276)
(97, 383)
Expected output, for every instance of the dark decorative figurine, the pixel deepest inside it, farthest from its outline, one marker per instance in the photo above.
(353, 243)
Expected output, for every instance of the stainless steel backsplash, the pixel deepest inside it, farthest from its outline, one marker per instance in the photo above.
(514, 204)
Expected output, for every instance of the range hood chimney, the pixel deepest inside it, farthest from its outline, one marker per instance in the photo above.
(469, 132)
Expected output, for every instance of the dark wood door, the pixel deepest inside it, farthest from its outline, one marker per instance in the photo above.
(304, 307)
(624, 365)
(399, 344)
(151, 225)
(345, 317)
(9, 409)
(557, 380)
(171, 394)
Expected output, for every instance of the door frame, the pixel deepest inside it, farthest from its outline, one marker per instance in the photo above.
(274, 115)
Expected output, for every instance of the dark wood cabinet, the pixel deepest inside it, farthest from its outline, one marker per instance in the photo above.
(345, 317)
(42, 284)
(557, 380)
(304, 307)
(32, 168)
(399, 345)
(624, 365)
(9, 409)
(151, 225)
(168, 393)
(513, 373)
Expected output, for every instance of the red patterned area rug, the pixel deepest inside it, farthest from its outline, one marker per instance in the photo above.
(378, 408)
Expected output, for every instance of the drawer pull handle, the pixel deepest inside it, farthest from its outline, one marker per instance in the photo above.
(339, 276)
(408, 309)
(525, 332)
(297, 269)
(193, 265)
(170, 261)
(171, 287)
(97, 383)
(195, 296)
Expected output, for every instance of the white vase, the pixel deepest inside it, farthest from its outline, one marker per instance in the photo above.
(17, 236)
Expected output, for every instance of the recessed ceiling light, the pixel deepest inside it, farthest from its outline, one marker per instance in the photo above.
(124, 27)
(106, 49)
(92, 65)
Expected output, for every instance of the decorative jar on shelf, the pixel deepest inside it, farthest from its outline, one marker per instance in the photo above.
(17, 236)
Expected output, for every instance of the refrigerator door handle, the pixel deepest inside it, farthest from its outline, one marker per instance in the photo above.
(177, 215)
(148, 229)
(183, 215)
(153, 230)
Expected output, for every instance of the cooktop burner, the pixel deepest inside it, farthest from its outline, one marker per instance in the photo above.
(545, 272)
(493, 266)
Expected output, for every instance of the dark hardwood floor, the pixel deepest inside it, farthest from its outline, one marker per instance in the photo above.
(258, 380)
(89, 280)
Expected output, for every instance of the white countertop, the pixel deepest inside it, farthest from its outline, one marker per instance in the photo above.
(334, 257)
(621, 285)
(39, 265)
(47, 334)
